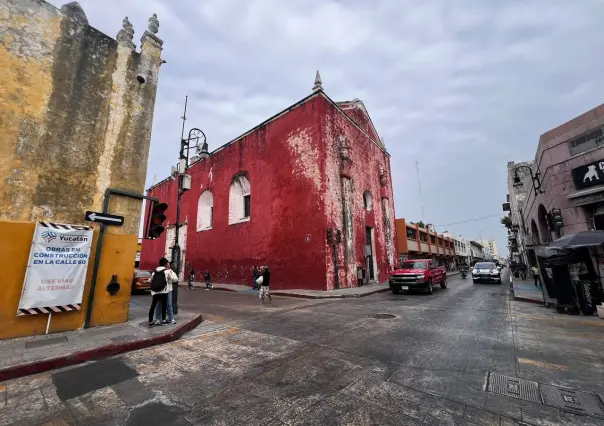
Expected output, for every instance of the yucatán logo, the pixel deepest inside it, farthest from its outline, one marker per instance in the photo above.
(73, 238)
(48, 236)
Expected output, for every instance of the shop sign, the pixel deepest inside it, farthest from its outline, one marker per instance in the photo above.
(589, 175)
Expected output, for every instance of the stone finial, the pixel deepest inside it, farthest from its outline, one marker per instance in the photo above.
(126, 34)
(74, 10)
(153, 24)
(318, 83)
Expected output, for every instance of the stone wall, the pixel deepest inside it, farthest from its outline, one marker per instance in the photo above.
(74, 117)
(76, 109)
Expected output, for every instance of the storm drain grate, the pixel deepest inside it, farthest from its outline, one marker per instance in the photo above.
(45, 342)
(516, 388)
(382, 316)
(587, 404)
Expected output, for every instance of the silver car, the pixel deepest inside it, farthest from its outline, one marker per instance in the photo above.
(486, 272)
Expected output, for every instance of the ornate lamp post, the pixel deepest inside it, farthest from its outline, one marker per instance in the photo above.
(196, 140)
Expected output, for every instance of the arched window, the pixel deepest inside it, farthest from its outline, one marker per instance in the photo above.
(367, 201)
(205, 211)
(239, 200)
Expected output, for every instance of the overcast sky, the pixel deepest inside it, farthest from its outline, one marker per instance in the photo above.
(461, 86)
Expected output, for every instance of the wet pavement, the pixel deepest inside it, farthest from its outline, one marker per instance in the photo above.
(467, 355)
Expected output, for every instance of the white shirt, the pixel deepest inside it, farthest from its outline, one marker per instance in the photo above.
(171, 277)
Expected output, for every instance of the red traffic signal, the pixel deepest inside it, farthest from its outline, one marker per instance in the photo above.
(157, 218)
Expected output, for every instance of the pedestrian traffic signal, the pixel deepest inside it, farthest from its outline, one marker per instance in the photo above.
(156, 219)
(557, 220)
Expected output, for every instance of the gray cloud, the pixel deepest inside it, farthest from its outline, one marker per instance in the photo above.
(461, 87)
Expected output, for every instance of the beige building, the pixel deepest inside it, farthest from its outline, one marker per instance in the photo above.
(76, 109)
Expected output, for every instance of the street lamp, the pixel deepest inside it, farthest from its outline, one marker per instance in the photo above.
(535, 178)
(184, 184)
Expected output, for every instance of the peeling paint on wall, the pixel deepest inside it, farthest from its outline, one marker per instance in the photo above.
(306, 157)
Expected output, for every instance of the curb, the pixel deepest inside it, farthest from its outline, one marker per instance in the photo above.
(524, 299)
(342, 296)
(41, 366)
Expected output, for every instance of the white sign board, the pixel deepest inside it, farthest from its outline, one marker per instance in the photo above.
(56, 270)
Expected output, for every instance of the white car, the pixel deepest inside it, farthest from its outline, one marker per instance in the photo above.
(486, 272)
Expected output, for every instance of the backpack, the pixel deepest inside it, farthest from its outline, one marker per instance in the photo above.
(158, 282)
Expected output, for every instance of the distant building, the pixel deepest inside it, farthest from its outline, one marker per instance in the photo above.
(414, 242)
(308, 192)
(489, 249)
(463, 253)
(476, 251)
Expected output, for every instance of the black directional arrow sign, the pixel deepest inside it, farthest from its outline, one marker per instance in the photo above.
(107, 219)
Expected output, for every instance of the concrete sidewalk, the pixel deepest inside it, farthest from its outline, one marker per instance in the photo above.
(526, 291)
(343, 293)
(363, 291)
(35, 354)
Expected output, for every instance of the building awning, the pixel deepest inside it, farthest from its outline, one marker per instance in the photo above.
(587, 196)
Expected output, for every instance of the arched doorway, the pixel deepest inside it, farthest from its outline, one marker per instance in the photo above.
(546, 236)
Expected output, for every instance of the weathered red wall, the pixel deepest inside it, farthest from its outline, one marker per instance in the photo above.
(282, 161)
(292, 164)
(367, 157)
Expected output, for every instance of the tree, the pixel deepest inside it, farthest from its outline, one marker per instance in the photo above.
(507, 222)
(421, 224)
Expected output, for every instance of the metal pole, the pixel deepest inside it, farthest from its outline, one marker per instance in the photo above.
(99, 246)
(176, 247)
(335, 264)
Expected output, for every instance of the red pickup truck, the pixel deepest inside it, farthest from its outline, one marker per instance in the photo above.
(417, 274)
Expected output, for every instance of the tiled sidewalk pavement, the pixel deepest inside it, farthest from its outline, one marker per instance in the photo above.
(33, 354)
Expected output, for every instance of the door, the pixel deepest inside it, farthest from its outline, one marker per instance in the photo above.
(369, 257)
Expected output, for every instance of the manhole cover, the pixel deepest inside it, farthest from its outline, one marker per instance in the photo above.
(516, 388)
(382, 316)
(587, 404)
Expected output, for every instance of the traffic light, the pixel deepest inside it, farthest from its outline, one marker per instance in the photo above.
(557, 220)
(550, 223)
(156, 219)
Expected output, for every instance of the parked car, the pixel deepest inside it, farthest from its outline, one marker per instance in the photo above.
(140, 280)
(486, 272)
(419, 274)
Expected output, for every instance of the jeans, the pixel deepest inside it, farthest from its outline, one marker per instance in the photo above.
(158, 310)
(159, 302)
(208, 285)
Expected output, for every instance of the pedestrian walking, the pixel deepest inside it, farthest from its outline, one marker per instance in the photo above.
(265, 282)
(191, 278)
(208, 278)
(255, 276)
(536, 276)
(161, 285)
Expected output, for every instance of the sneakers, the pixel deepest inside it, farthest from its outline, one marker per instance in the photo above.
(173, 321)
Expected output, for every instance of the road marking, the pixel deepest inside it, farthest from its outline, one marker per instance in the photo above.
(213, 318)
(2, 388)
(542, 364)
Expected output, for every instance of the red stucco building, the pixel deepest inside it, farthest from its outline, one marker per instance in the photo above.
(270, 197)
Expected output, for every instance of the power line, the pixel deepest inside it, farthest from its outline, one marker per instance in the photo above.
(471, 220)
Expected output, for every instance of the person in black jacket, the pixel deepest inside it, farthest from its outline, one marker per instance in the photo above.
(264, 287)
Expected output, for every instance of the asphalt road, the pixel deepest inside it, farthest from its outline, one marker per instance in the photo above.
(424, 360)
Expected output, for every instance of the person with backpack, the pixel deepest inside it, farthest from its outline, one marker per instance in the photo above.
(161, 285)
(255, 276)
